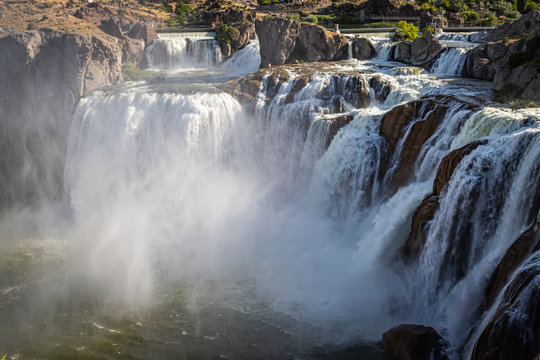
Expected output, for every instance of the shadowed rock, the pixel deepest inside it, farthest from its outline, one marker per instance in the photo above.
(414, 342)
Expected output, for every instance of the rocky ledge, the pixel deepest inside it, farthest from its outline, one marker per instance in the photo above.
(420, 52)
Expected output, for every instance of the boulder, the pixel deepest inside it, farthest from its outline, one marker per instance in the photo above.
(420, 52)
(381, 87)
(363, 49)
(415, 342)
(284, 41)
(429, 19)
(43, 76)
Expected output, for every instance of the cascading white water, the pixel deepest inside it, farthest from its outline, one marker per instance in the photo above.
(183, 53)
(384, 49)
(165, 186)
(450, 62)
(244, 61)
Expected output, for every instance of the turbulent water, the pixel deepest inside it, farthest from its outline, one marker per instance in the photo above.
(192, 227)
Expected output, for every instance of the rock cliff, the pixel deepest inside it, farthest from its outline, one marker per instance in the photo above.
(43, 76)
(285, 41)
(509, 58)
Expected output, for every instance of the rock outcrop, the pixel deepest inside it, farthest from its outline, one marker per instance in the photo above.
(352, 88)
(363, 49)
(508, 58)
(381, 87)
(420, 52)
(286, 41)
(412, 124)
(415, 342)
(412, 248)
(43, 76)
(512, 331)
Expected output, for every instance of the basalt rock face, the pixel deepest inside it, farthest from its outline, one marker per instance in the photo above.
(415, 342)
(411, 250)
(285, 41)
(411, 125)
(420, 52)
(43, 76)
(513, 331)
(508, 58)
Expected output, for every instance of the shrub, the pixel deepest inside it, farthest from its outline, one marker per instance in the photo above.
(428, 29)
(294, 17)
(470, 15)
(325, 19)
(425, 6)
(31, 26)
(489, 20)
(522, 57)
(223, 33)
(181, 8)
(263, 2)
(311, 19)
(504, 8)
(405, 31)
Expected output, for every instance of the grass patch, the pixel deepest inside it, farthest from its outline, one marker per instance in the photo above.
(131, 72)
(508, 93)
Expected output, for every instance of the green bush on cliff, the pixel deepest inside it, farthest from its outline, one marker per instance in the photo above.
(405, 31)
(470, 15)
(522, 57)
(325, 19)
(131, 72)
(311, 19)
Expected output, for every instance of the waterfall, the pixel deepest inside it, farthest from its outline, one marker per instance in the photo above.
(450, 62)
(384, 49)
(183, 53)
(464, 37)
(244, 61)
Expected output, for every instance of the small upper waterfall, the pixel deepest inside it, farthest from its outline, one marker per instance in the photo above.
(450, 62)
(175, 52)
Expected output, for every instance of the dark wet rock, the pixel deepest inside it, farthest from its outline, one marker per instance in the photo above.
(513, 330)
(411, 250)
(336, 123)
(413, 247)
(363, 49)
(420, 52)
(381, 87)
(415, 342)
(424, 117)
(284, 41)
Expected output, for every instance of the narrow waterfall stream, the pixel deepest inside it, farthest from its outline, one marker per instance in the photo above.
(196, 225)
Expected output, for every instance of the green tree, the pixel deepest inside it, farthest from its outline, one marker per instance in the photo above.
(405, 31)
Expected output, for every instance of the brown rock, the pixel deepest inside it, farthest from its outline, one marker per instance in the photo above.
(411, 250)
(414, 342)
(381, 87)
(420, 52)
(363, 49)
(282, 41)
(336, 124)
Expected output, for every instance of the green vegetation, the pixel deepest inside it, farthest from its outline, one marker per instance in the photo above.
(405, 31)
(510, 95)
(522, 57)
(131, 72)
(311, 19)
(428, 29)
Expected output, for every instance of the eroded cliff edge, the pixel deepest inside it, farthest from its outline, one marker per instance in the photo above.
(43, 75)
